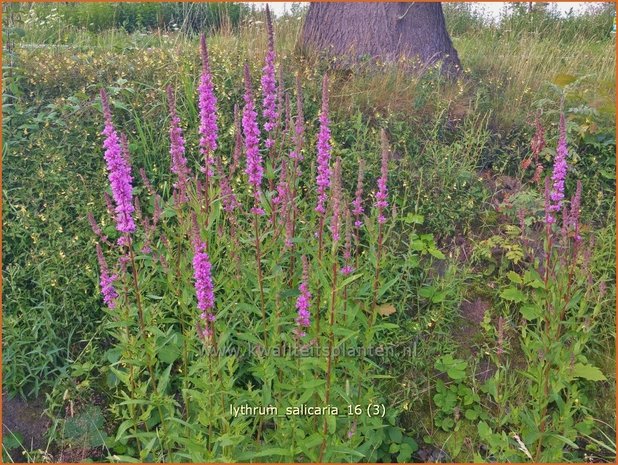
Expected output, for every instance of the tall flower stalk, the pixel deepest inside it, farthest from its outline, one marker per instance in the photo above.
(303, 302)
(269, 85)
(322, 178)
(380, 204)
(336, 199)
(106, 281)
(204, 288)
(255, 172)
(554, 202)
(208, 130)
(119, 173)
(177, 151)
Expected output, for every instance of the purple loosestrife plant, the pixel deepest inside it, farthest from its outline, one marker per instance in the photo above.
(556, 195)
(177, 151)
(254, 169)
(106, 281)
(324, 151)
(119, 173)
(208, 112)
(303, 301)
(382, 194)
(269, 85)
(204, 288)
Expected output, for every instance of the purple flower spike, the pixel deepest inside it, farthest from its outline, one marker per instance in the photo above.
(324, 149)
(560, 169)
(303, 301)
(269, 84)
(106, 281)
(382, 194)
(119, 172)
(254, 169)
(208, 111)
(204, 288)
(177, 151)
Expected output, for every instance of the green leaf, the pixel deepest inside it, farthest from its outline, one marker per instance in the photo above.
(514, 277)
(589, 372)
(530, 312)
(484, 430)
(436, 253)
(414, 218)
(513, 294)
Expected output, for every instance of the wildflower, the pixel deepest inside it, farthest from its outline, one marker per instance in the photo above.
(269, 84)
(208, 129)
(254, 170)
(106, 281)
(202, 275)
(382, 195)
(336, 201)
(303, 301)
(560, 169)
(119, 173)
(324, 149)
(358, 201)
(177, 150)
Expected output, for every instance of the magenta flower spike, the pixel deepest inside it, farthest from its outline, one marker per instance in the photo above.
(254, 169)
(324, 152)
(204, 288)
(560, 169)
(119, 172)
(106, 281)
(269, 84)
(177, 151)
(382, 194)
(303, 301)
(208, 129)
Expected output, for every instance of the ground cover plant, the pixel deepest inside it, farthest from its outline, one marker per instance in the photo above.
(198, 227)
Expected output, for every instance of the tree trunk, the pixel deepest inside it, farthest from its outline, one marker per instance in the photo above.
(387, 31)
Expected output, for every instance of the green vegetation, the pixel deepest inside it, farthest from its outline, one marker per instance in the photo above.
(463, 299)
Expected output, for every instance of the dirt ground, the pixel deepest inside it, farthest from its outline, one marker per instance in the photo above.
(27, 419)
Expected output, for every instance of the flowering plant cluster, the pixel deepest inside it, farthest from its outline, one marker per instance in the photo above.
(239, 255)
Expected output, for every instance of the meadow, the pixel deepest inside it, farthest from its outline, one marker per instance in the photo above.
(269, 210)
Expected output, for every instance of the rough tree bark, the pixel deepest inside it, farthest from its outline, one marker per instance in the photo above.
(385, 31)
